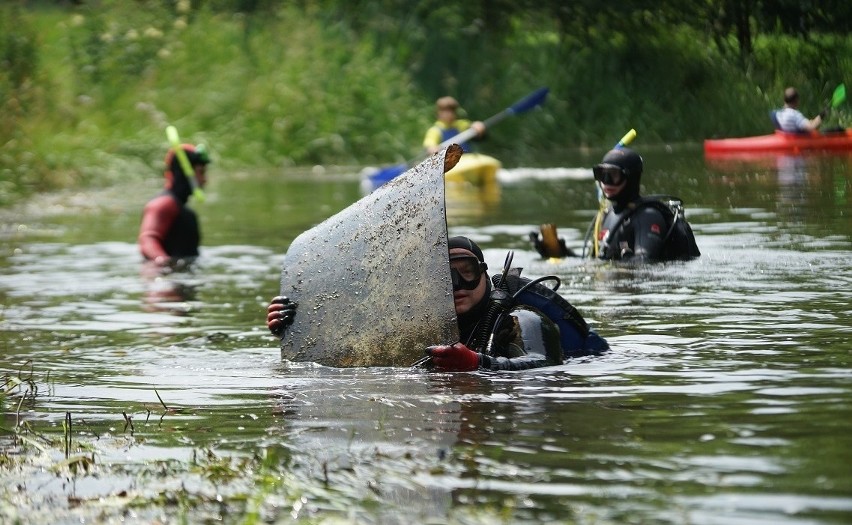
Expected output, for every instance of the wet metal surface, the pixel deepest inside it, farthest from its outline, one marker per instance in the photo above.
(378, 273)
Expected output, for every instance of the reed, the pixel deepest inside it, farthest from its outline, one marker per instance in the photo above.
(87, 92)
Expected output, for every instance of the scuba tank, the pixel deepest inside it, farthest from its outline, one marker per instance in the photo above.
(510, 290)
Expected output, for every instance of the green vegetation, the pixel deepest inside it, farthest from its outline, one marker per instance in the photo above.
(88, 87)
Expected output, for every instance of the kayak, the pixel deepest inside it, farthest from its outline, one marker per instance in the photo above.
(474, 168)
(782, 142)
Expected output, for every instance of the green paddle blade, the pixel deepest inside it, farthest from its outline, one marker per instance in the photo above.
(839, 96)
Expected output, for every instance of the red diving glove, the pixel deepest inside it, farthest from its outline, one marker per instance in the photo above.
(279, 314)
(455, 358)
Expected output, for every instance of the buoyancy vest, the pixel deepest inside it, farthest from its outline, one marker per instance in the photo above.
(447, 133)
(679, 240)
(576, 338)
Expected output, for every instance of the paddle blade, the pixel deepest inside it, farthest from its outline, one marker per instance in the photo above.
(536, 98)
(383, 175)
(839, 96)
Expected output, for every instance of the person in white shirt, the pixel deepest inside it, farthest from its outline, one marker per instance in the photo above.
(790, 119)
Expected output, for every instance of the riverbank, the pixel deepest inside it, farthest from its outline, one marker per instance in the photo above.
(88, 91)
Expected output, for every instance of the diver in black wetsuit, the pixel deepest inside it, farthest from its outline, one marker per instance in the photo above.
(634, 228)
(524, 338)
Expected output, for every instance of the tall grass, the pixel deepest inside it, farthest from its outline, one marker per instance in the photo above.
(87, 92)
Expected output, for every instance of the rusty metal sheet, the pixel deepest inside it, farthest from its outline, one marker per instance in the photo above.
(372, 282)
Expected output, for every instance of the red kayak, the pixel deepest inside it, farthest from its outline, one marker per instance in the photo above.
(783, 142)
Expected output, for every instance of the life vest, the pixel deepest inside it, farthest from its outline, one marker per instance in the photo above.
(576, 338)
(448, 133)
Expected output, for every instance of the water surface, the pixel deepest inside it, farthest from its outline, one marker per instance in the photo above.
(726, 397)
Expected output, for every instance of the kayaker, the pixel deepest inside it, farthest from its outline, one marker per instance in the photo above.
(790, 119)
(169, 233)
(525, 339)
(449, 125)
(634, 228)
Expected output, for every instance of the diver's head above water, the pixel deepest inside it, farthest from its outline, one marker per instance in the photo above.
(619, 175)
(467, 268)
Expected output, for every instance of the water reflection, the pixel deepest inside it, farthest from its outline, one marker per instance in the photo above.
(168, 290)
(792, 178)
(794, 185)
(467, 201)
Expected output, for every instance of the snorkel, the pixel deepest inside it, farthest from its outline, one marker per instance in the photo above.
(189, 172)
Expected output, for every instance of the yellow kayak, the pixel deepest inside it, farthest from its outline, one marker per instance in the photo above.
(474, 168)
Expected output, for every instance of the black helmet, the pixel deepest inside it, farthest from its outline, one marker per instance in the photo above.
(628, 160)
(466, 244)
(631, 164)
(197, 155)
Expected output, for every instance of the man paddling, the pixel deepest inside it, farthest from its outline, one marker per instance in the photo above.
(449, 125)
(790, 119)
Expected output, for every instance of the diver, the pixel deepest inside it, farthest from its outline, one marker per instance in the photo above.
(634, 228)
(169, 233)
(496, 332)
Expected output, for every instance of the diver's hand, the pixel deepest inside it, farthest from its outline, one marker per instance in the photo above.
(546, 252)
(455, 358)
(280, 314)
(565, 250)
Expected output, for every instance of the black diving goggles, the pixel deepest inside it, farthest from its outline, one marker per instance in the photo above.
(609, 174)
(466, 271)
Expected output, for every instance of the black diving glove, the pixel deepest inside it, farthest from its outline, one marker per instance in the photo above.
(546, 251)
(280, 314)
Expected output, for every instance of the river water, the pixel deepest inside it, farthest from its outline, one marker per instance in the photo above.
(726, 397)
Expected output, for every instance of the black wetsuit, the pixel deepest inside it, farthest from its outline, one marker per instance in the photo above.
(169, 228)
(525, 339)
(631, 233)
(645, 230)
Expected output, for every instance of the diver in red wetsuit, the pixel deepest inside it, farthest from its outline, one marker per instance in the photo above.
(169, 232)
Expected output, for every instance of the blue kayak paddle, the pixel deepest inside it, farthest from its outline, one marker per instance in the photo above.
(534, 99)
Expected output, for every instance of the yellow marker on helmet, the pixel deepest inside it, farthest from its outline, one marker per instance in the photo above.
(626, 139)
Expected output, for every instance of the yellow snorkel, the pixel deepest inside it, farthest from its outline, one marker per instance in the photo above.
(174, 140)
